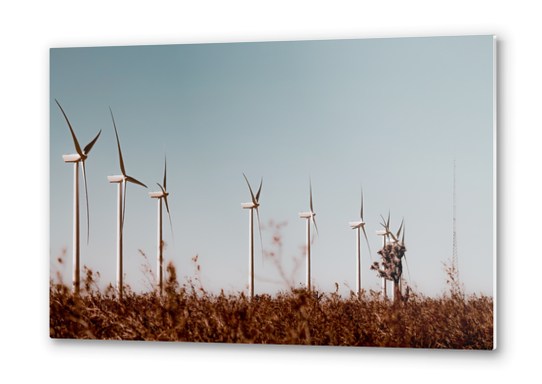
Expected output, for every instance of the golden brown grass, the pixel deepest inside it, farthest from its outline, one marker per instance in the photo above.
(291, 317)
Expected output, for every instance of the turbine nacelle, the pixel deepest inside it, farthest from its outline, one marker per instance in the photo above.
(74, 158)
(356, 224)
(389, 237)
(306, 215)
(249, 205)
(158, 195)
(116, 179)
(385, 231)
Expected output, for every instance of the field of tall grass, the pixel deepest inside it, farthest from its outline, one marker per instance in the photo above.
(295, 316)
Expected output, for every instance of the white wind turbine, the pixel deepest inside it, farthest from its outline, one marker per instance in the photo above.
(161, 195)
(253, 205)
(357, 225)
(121, 203)
(80, 157)
(309, 215)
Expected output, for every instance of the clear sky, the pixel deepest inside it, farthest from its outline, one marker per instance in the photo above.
(390, 114)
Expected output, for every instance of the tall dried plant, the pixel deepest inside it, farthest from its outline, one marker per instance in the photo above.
(391, 266)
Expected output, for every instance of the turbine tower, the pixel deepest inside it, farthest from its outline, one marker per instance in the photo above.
(161, 195)
(251, 206)
(357, 225)
(454, 250)
(309, 215)
(80, 157)
(121, 203)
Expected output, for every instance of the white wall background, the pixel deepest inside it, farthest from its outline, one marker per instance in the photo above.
(29, 29)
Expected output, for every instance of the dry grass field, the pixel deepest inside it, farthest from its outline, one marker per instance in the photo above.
(296, 316)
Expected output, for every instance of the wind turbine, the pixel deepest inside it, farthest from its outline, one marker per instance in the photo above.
(80, 157)
(161, 195)
(121, 203)
(357, 225)
(253, 205)
(309, 215)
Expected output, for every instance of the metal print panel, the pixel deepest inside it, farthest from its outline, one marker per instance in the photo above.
(334, 193)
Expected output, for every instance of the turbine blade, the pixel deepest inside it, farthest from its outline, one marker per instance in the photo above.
(403, 240)
(77, 147)
(384, 222)
(401, 227)
(388, 222)
(89, 146)
(260, 230)
(118, 144)
(310, 187)
(251, 194)
(259, 190)
(366, 239)
(86, 198)
(167, 206)
(170, 224)
(361, 214)
(315, 226)
(132, 180)
(165, 168)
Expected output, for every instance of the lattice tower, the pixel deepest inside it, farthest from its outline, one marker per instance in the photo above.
(454, 251)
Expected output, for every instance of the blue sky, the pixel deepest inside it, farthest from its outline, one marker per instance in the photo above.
(391, 114)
